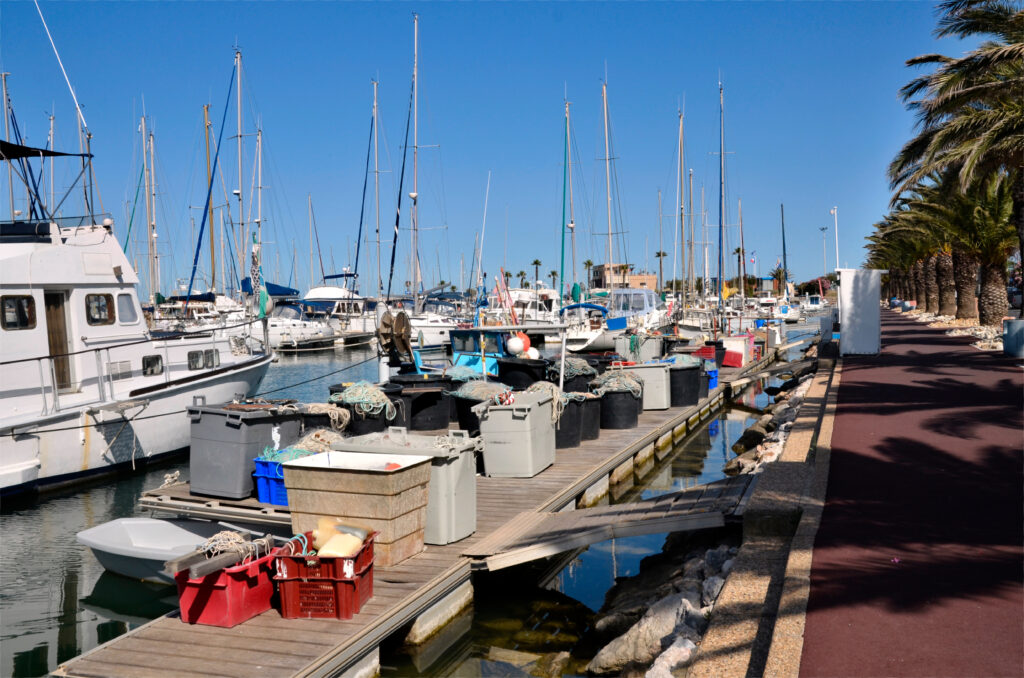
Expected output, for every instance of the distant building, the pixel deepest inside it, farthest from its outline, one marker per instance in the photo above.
(618, 278)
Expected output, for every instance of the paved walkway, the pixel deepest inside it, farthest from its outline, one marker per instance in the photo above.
(918, 562)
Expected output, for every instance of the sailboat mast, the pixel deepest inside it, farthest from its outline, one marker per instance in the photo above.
(705, 243)
(376, 185)
(785, 264)
(682, 193)
(415, 154)
(661, 248)
(7, 137)
(690, 288)
(608, 184)
(213, 236)
(259, 187)
(572, 211)
(721, 194)
(309, 202)
(743, 261)
(149, 218)
(240, 240)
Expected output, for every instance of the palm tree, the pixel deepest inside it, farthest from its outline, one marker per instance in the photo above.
(536, 269)
(508, 277)
(739, 268)
(779, 275)
(661, 276)
(554, 277)
(970, 109)
(522, 278)
(587, 265)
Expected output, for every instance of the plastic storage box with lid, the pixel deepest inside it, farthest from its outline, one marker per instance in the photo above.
(657, 393)
(518, 439)
(451, 496)
(225, 439)
(229, 596)
(638, 347)
(386, 493)
(427, 403)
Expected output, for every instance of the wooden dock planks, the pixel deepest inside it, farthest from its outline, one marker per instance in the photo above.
(271, 646)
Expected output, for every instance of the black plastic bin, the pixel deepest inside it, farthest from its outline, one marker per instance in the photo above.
(684, 383)
(620, 409)
(426, 403)
(590, 426)
(579, 383)
(719, 351)
(468, 421)
(568, 429)
(226, 438)
(362, 424)
(705, 380)
(601, 362)
(520, 373)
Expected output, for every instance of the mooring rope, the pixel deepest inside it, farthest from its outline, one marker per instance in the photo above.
(230, 542)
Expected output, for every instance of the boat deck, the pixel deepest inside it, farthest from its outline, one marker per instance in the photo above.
(270, 646)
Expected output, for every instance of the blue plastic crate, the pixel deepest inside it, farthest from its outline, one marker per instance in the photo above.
(268, 469)
(271, 490)
(712, 378)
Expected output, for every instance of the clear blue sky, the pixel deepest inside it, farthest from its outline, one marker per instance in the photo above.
(812, 117)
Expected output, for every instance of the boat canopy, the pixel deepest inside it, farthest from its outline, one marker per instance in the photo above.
(9, 151)
(273, 289)
(589, 307)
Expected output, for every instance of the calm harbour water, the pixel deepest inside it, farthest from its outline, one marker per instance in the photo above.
(56, 601)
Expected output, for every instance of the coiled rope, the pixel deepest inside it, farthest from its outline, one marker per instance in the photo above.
(230, 542)
(558, 399)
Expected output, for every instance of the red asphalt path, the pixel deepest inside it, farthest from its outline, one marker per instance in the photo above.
(918, 565)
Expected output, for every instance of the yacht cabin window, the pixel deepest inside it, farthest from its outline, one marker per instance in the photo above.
(195, 360)
(126, 309)
(152, 365)
(19, 312)
(211, 358)
(99, 309)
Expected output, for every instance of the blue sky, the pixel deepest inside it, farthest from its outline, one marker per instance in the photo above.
(811, 96)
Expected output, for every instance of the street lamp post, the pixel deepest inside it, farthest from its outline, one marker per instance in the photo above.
(824, 256)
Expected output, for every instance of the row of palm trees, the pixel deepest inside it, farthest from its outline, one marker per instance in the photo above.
(957, 212)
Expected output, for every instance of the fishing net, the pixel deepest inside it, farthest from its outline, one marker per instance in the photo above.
(682, 360)
(366, 399)
(574, 367)
(484, 391)
(617, 380)
(636, 341)
(462, 373)
(287, 454)
(580, 396)
(319, 440)
(558, 399)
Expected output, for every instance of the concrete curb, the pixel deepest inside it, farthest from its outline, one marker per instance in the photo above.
(770, 575)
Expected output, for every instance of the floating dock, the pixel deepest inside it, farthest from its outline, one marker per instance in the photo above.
(431, 587)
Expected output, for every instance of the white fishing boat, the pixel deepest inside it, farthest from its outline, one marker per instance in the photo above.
(87, 387)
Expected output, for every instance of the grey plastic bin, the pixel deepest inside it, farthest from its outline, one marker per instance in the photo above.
(518, 439)
(451, 494)
(225, 442)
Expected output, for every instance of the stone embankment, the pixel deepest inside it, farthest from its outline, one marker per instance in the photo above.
(652, 624)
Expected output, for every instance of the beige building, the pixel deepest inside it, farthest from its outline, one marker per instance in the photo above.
(620, 278)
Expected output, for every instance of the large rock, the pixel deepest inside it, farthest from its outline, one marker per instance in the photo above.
(712, 587)
(676, 655)
(745, 463)
(643, 641)
(750, 439)
(714, 559)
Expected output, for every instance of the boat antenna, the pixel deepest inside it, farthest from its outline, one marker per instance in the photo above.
(78, 108)
(362, 205)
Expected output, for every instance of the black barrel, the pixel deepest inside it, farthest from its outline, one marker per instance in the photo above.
(427, 405)
(568, 430)
(590, 428)
(601, 362)
(705, 380)
(619, 410)
(684, 383)
(580, 383)
(363, 424)
(719, 350)
(520, 373)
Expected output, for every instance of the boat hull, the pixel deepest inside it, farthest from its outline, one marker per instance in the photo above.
(69, 446)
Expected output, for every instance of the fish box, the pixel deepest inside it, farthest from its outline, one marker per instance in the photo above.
(657, 393)
(229, 596)
(382, 492)
(518, 439)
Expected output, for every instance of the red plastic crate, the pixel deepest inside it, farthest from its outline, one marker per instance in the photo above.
(705, 352)
(227, 597)
(291, 566)
(325, 598)
(732, 359)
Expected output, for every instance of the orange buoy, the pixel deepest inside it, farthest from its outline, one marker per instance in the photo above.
(526, 340)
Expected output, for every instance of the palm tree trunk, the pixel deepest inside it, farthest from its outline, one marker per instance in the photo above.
(992, 302)
(918, 271)
(965, 277)
(947, 288)
(1017, 193)
(931, 284)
